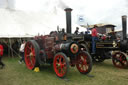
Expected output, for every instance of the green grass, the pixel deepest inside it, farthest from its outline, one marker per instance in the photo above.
(104, 74)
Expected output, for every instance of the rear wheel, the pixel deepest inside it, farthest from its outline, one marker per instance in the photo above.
(61, 64)
(31, 53)
(84, 62)
(119, 60)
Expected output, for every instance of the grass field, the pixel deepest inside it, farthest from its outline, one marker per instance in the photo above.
(102, 74)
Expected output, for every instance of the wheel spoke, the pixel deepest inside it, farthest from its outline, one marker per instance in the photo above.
(84, 67)
(33, 60)
(28, 47)
(62, 71)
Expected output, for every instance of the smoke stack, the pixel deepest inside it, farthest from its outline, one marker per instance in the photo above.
(68, 20)
(124, 26)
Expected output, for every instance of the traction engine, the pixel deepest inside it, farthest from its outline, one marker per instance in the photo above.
(58, 49)
(107, 48)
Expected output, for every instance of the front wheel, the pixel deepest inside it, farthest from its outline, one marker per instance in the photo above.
(60, 64)
(84, 62)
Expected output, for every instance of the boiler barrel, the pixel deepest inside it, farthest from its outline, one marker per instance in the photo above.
(67, 47)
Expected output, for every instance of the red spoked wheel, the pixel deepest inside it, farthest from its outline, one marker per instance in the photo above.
(119, 60)
(31, 53)
(84, 62)
(60, 64)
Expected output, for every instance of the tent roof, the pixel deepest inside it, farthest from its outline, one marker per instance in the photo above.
(16, 36)
(15, 23)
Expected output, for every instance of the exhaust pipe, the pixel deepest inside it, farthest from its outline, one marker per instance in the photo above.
(124, 41)
(124, 26)
(68, 20)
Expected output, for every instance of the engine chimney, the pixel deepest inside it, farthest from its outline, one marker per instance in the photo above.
(124, 26)
(68, 20)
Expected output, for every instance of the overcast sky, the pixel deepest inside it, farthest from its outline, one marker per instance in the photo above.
(93, 11)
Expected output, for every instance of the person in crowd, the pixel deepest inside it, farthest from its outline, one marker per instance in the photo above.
(94, 39)
(22, 52)
(76, 31)
(1, 55)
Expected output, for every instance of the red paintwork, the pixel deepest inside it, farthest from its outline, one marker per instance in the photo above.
(30, 60)
(48, 46)
(60, 65)
(47, 43)
(82, 64)
(119, 60)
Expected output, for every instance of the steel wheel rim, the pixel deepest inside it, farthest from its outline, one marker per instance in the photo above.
(60, 65)
(30, 55)
(119, 60)
(82, 64)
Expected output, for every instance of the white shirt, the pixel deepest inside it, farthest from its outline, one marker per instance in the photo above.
(22, 47)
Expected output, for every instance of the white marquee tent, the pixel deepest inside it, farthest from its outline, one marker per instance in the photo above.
(18, 23)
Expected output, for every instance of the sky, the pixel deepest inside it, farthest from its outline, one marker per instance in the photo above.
(92, 11)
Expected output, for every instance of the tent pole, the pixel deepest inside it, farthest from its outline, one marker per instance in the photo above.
(8, 48)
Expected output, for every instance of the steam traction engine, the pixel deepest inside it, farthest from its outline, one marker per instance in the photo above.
(108, 48)
(58, 49)
(105, 48)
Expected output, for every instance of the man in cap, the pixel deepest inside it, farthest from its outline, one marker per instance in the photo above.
(94, 38)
